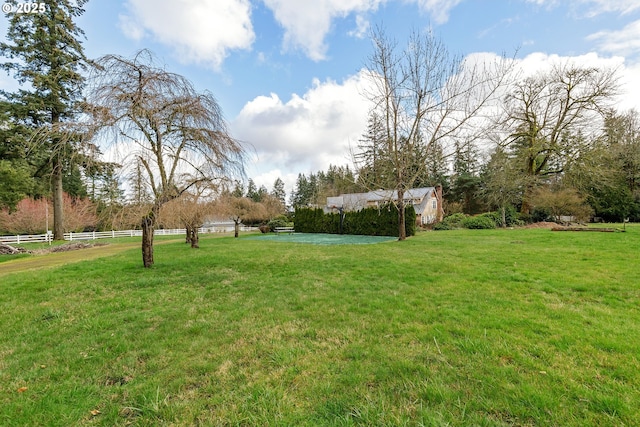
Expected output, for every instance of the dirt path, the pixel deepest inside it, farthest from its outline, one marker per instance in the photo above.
(56, 259)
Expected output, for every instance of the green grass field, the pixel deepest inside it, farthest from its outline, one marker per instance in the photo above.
(459, 328)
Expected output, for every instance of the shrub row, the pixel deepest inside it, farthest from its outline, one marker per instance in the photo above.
(484, 221)
(381, 221)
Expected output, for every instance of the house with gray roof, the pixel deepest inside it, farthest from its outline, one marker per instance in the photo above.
(427, 202)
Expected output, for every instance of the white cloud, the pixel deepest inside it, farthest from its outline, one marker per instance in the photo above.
(597, 7)
(591, 8)
(438, 9)
(199, 32)
(130, 27)
(629, 97)
(306, 133)
(307, 23)
(547, 3)
(622, 42)
(537, 62)
(630, 85)
(362, 27)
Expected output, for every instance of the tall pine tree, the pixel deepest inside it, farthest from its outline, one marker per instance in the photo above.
(279, 192)
(46, 57)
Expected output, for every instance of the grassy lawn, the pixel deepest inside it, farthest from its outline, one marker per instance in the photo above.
(486, 327)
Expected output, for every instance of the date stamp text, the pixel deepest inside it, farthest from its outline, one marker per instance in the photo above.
(24, 7)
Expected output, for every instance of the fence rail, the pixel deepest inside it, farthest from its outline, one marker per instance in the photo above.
(25, 238)
(93, 235)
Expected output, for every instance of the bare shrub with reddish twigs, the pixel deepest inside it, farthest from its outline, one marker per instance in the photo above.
(30, 216)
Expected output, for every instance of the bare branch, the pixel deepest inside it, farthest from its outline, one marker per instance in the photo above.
(423, 98)
(178, 134)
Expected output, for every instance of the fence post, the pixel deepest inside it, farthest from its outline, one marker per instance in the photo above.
(113, 234)
(71, 236)
(17, 238)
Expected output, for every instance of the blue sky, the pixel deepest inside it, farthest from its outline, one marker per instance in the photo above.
(287, 73)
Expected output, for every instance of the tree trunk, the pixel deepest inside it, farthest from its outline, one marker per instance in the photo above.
(188, 233)
(195, 238)
(58, 212)
(439, 203)
(504, 217)
(529, 186)
(192, 236)
(525, 208)
(148, 227)
(236, 229)
(402, 229)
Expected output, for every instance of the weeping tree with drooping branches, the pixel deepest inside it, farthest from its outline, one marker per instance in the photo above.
(176, 133)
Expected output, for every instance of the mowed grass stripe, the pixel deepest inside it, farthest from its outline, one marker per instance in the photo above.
(25, 262)
(501, 327)
(56, 259)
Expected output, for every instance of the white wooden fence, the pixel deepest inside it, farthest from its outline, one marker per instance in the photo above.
(93, 235)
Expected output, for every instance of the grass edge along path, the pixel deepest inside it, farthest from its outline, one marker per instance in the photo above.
(470, 327)
(58, 259)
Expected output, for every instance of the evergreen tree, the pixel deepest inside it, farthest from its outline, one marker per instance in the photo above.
(110, 198)
(279, 192)
(110, 191)
(140, 193)
(46, 56)
(16, 184)
(607, 171)
(17, 169)
(335, 181)
(306, 192)
(297, 197)
(466, 182)
(436, 168)
(252, 191)
(238, 190)
(261, 194)
(375, 168)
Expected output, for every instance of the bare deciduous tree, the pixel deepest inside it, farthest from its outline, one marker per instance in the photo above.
(189, 211)
(549, 114)
(562, 202)
(239, 210)
(178, 135)
(422, 95)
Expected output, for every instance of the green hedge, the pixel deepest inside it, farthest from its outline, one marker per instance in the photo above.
(451, 222)
(370, 221)
(479, 222)
(483, 221)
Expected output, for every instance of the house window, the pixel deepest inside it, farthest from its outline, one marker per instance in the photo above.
(434, 204)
